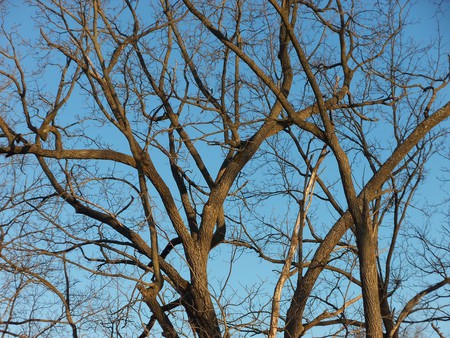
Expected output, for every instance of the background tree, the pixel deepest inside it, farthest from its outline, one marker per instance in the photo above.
(144, 141)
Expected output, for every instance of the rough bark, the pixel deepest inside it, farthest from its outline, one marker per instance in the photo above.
(294, 327)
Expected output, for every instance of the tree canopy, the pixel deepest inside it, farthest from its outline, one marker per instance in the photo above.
(222, 169)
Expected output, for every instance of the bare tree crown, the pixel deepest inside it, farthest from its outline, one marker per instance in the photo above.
(155, 152)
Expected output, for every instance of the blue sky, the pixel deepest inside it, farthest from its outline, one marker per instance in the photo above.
(250, 269)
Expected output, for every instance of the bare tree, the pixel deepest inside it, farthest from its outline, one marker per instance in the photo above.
(143, 140)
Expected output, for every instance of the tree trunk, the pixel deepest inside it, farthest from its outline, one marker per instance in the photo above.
(294, 316)
(198, 303)
(386, 313)
(367, 250)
